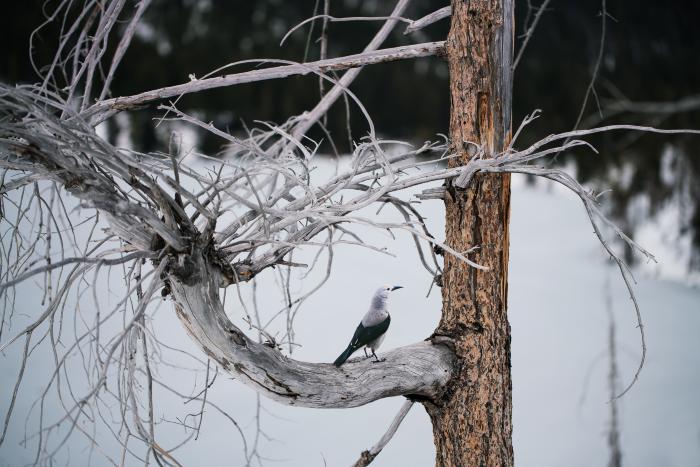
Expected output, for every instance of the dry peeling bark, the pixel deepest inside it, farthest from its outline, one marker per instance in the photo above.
(472, 422)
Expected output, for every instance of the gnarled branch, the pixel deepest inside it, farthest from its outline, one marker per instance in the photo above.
(420, 369)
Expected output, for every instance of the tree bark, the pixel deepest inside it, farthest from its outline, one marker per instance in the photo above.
(472, 421)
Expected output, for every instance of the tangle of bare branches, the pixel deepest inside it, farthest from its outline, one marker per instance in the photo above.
(75, 207)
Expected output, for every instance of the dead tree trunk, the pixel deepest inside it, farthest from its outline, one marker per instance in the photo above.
(472, 423)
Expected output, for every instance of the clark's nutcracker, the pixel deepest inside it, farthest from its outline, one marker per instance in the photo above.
(372, 329)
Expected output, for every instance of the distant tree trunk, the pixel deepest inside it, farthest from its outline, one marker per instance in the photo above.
(472, 424)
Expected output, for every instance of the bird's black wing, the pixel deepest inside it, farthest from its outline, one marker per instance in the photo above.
(364, 335)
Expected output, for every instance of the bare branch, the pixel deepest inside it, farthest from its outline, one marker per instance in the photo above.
(659, 110)
(323, 53)
(99, 261)
(368, 456)
(310, 118)
(335, 19)
(596, 67)
(419, 369)
(685, 104)
(530, 32)
(105, 109)
(123, 46)
(429, 19)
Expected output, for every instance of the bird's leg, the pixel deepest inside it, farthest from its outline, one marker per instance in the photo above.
(377, 359)
(365, 349)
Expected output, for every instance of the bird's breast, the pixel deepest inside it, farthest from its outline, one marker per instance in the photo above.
(373, 318)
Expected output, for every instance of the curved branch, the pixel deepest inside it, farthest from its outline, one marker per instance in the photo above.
(429, 19)
(420, 369)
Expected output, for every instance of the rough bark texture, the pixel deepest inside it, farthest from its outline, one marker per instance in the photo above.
(472, 423)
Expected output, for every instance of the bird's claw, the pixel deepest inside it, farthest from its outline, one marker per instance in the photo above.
(379, 361)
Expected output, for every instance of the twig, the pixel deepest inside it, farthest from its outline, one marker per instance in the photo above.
(323, 53)
(345, 19)
(310, 118)
(82, 260)
(590, 89)
(368, 456)
(123, 46)
(530, 32)
(429, 19)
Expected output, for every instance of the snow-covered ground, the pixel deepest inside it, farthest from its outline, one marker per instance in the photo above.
(557, 283)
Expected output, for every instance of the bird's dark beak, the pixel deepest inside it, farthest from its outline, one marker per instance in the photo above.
(396, 287)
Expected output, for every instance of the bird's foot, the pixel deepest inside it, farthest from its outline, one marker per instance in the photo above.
(379, 360)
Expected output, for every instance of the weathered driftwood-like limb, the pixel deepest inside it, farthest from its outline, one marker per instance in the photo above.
(420, 369)
(429, 19)
(58, 161)
(106, 108)
(369, 455)
(537, 150)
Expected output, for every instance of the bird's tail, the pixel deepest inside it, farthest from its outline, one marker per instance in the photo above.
(344, 356)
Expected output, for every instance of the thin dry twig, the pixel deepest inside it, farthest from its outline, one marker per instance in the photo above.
(428, 19)
(369, 455)
(529, 33)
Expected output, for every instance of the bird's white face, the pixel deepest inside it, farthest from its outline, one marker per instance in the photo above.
(383, 291)
(381, 296)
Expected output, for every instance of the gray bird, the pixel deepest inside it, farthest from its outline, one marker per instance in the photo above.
(372, 329)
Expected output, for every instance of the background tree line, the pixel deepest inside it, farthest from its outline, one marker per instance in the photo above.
(648, 74)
